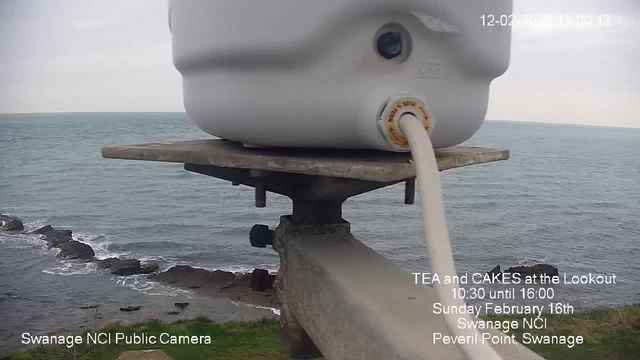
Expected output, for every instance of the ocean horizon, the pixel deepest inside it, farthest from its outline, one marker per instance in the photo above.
(43, 113)
(569, 196)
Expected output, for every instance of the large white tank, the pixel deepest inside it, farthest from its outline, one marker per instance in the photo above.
(328, 73)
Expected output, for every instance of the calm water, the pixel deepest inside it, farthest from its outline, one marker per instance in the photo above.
(569, 196)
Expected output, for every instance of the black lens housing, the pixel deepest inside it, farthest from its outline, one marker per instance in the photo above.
(389, 44)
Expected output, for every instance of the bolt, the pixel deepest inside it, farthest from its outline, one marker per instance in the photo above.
(261, 191)
(410, 191)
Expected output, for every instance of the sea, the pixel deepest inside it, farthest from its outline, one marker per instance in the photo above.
(569, 196)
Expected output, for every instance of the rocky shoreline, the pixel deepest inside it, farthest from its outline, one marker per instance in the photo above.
(254, 288)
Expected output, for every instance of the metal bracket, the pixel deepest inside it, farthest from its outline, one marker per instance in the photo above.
(339, 298)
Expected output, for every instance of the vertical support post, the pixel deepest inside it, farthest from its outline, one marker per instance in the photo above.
(313, 212)
(294, 337)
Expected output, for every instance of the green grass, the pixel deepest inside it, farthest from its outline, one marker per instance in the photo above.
(254, 340)
(611, 334)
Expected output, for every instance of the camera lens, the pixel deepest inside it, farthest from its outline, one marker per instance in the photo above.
(389, 44)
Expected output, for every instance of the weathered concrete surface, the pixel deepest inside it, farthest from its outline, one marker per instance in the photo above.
(351, 164)
(354, 303)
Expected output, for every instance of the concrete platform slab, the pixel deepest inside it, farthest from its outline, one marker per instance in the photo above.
(367, 165)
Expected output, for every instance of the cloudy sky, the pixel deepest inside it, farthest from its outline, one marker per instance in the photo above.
(115, 55)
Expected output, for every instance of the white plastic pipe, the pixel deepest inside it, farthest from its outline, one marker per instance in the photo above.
(436, 234)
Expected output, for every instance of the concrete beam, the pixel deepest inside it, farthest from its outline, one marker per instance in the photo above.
(354, 303)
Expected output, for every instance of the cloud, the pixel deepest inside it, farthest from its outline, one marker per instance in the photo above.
(88, 55)
(572, 72)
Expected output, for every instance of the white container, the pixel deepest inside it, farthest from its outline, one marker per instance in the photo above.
(298, 73)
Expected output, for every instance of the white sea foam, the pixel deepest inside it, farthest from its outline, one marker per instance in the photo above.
(27, 241)
(169, 261)
(100, 244)
(273, 310)
(148, 287)
(35, 224)
(69, 268)
(244, 269)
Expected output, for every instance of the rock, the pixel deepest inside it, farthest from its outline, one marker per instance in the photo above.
(13, 225)
(10, 223)
(538, 269)
(89, 307)
(57, 238)
(189, 277)
(149, 268)
(76, 250)
(173, 312)
(125, 267)
(181, 305)
(495, 271)
(120, 266)
(218, 283)
(43, 230)
(261, 280)
(130, 308)
(106, 263)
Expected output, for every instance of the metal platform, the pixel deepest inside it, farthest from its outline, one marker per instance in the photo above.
(339, 298)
